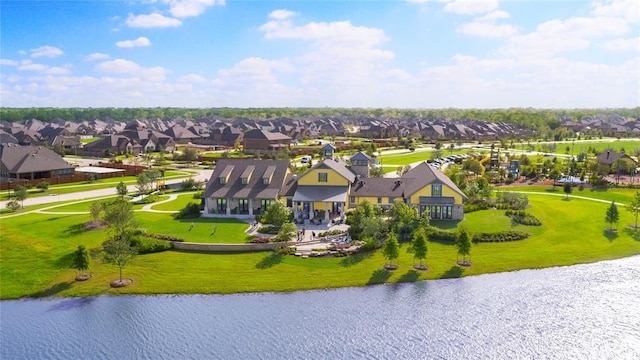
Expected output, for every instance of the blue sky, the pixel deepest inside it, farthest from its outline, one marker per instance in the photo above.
(336, 53)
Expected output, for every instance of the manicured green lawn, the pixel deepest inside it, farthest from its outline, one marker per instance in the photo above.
(177, 204)
(35, 250)
(619, 195)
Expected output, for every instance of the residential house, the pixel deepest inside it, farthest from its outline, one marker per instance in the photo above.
(261, 141)
(31, 162)
(112, 145)
(422, 187)
(609, 157)
(245, 187)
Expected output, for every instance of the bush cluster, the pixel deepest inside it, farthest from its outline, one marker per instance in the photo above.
(476, 207)
(260, 240)
(268, 229)
(148, 199)
(165, 237)
(436, 234)
(284, 250)
(331, 232)
(192, 210)
(147, 245)
(523, 218)
(500, 236)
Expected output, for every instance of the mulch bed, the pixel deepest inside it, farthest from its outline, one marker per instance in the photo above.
(121, 283)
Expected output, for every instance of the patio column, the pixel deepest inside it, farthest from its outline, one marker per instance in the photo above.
(228, 206)
(250, 207)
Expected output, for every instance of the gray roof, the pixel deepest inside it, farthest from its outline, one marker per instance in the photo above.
(360, 156)
(423, 175)
(338, 166)
(387, 187)
(255, 188)
(27, 159)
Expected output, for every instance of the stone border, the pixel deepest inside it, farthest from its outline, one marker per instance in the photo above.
(229, 248)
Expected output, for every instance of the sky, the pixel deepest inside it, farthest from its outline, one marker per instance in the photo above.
(332, 53)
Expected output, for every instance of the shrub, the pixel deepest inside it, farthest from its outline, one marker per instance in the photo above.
(147, 245)
(260, 240)
(191, 184)
(198, 195)
(268, 229)
(435, 234)
(165, 237)
(331, 232)
(43, 186)
(500, 236)
(476, 207)
(285, 250)
(192, 210)
(13, 205)
(523, 218)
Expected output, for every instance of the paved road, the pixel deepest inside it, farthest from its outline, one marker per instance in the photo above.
(203, 175)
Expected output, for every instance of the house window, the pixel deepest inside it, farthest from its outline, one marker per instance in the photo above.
(322, 177)
(265, 181)
(436, 190)
(243, 206)
(379, 200)
(391, 200)
(245, 181)
(352, 199)
(289, 203)
(221, 205)
(223, 180)
(447, 212)
(264, 204)
(435, 212)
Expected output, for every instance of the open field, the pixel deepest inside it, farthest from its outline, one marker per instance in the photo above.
(36, 248)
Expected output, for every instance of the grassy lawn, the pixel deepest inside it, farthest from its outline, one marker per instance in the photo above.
(177, 204)
(619, 195)
(100, 184)
(35, 250)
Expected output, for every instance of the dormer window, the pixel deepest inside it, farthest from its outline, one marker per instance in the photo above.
(436, 190)
(266, 181)
(323, 177)
(245, 181)
(223, 180)
(246, 174)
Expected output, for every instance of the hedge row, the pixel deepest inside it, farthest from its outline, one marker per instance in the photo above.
(500, 236)
(523, 218)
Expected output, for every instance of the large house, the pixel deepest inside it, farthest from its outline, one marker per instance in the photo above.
(609, 157)
(31, 162)
(258, 140)
(245, 187)
(240, 187)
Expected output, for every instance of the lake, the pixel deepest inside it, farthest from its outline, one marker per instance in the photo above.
(587, 311)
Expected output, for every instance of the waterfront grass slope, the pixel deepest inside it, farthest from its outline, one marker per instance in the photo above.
(35, 251)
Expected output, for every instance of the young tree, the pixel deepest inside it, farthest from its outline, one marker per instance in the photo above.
(391, 249)
(143, 183)
(463, 244)
(634, 207)
(403, 220)
(118, 251)
(567, 188)
(121, 189)
(20, 193)
(119, 217)
(612, 215)
(96, 210)
(286, 233)
(152, 175)
(81, 260)
(13, 205)
(419, 246)
(277, 214)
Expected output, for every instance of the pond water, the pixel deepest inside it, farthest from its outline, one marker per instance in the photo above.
(586, 311)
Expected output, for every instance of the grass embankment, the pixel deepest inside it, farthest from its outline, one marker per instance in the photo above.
(36, 248)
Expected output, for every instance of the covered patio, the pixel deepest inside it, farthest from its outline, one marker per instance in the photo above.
(319, 203)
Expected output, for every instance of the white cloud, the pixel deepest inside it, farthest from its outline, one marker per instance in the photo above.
(154, 20)
(190, 8)
(281, 14)
(628, 9)
(192, 79)
(471, 6)
(340, 31)
(485, 26)
(7, 62)
(28, 65)
(118, 66)
(46, 51)
(623, 44)
(96, 56)
(128, 67)
(558, 36)
(139, 42)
